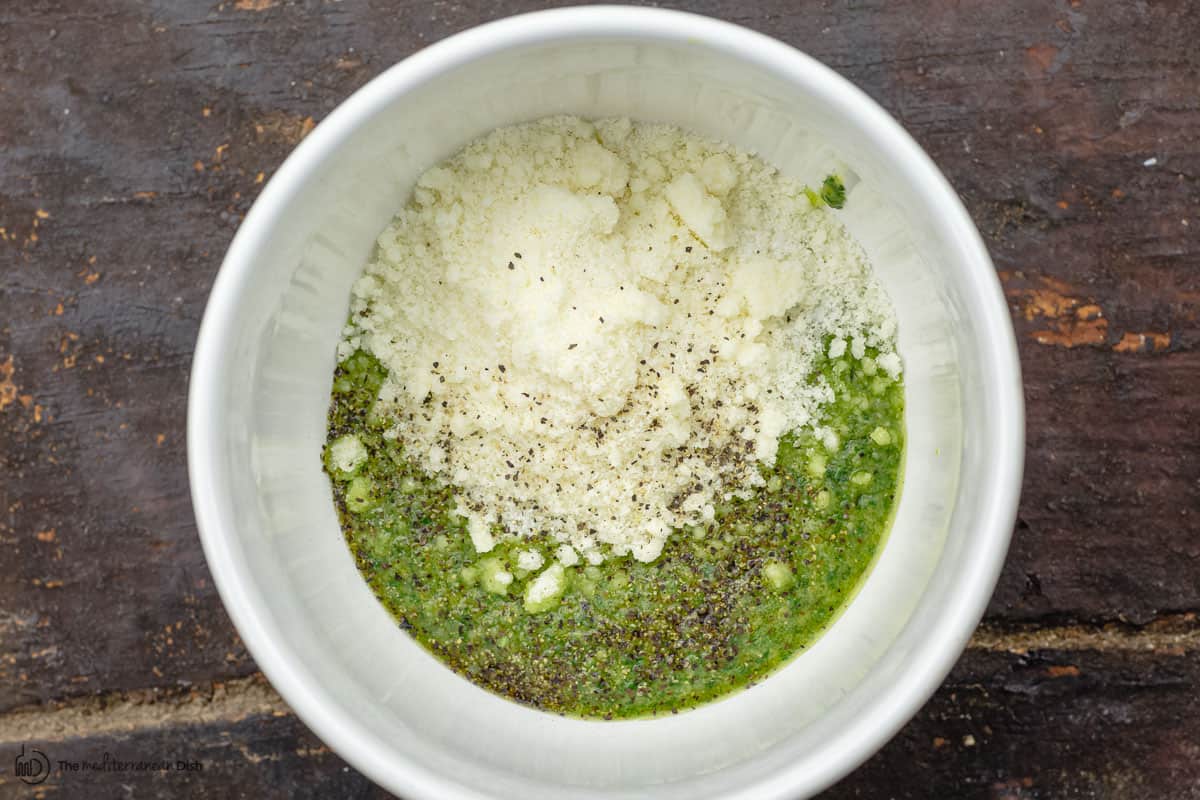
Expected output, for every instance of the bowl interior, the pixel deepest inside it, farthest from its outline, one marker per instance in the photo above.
(263, 378)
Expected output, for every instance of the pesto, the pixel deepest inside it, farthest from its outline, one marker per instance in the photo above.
(722, 607)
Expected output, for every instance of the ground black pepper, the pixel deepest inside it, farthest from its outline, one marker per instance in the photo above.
(627, 638)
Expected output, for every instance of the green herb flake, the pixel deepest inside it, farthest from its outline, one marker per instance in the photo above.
(833, 192)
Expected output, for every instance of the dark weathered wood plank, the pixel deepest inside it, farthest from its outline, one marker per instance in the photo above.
(133, 140)
(1047, 724)
(1111, 722)
(96, 506)
(133, 137)
(256, 758)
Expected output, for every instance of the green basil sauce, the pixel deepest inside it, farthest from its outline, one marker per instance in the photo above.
(721, 608)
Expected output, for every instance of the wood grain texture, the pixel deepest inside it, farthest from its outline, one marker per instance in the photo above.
(135, 135)
(1032, 725)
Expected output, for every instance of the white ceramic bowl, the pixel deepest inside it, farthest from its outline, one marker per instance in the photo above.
(263, 369)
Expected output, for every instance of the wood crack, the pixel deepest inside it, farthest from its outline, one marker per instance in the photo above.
(1173, 633)
(139, 709)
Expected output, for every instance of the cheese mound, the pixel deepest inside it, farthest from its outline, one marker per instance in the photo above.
(596, 332)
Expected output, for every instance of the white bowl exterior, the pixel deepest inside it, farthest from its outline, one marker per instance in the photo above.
(263, 370)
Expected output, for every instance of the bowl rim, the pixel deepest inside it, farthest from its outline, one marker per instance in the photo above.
(972, 586)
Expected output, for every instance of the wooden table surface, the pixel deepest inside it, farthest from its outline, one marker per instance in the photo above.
(135, 135)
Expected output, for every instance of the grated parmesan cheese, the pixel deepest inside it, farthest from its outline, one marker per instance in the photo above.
(596, 332)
